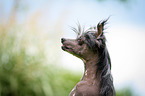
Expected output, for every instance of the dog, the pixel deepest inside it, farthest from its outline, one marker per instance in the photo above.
(90, 46)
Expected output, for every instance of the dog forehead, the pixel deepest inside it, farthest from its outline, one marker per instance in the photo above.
(90, 35)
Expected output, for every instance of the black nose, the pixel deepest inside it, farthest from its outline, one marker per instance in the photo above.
(62, 40)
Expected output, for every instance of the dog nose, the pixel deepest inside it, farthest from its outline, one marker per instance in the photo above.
(62, 40)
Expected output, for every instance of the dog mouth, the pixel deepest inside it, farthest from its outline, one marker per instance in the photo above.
(64, 47)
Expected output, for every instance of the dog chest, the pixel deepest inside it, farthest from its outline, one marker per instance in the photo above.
(84, 88)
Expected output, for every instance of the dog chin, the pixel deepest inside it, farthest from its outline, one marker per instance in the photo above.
(63, 48)
(69, 50)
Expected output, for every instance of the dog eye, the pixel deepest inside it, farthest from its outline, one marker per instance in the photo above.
(80, 41)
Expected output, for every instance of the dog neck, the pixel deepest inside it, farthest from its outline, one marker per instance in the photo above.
(90, 66)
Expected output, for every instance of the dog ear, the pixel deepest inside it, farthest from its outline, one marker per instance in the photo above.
(100, 28)
(99, 32)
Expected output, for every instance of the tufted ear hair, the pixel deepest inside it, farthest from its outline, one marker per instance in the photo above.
(100, 28)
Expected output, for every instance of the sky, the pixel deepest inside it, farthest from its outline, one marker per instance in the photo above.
(125, 33)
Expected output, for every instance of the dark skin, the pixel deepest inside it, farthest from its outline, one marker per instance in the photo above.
(89, 85)
(90, 82)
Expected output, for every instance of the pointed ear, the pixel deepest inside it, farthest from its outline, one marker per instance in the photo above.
(100, 28)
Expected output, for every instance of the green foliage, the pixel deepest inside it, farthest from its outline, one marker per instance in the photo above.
(23, 73)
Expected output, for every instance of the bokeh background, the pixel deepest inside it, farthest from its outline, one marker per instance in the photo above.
(32, 62)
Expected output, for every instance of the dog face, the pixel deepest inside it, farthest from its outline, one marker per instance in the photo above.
(77, 47)
(87, 44)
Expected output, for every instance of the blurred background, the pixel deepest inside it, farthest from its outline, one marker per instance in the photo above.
(32, 62)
